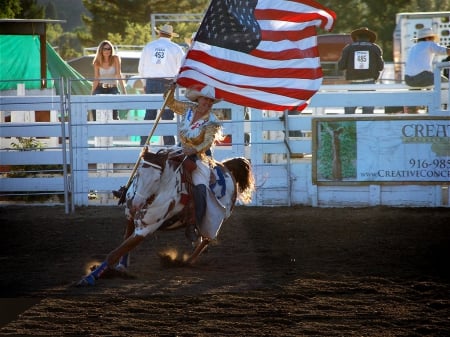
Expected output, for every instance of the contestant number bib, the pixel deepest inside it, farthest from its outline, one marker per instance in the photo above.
(159, 56)
(362, 59)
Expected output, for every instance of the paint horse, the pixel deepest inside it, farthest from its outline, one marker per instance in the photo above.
(159, 200)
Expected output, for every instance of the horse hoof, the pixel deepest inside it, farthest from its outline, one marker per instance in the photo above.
(86, 281)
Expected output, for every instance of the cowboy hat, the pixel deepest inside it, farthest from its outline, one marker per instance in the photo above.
(364, 31)
(166, 29)
(193, 93)
(425, 32)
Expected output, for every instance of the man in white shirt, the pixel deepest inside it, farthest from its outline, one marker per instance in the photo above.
(419, 65)
(159, 64)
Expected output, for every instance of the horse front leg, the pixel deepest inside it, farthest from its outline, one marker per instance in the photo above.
(113, 257)
(197, 251)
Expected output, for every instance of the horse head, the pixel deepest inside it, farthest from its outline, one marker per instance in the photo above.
(148, 178)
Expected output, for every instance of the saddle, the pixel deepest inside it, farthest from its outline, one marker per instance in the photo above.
(188, 165)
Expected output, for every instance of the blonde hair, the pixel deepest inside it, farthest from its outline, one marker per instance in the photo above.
(99, 59)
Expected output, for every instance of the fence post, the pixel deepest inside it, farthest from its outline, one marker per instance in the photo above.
(79, 146)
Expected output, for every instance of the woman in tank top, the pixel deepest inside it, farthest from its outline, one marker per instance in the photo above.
(107, 73)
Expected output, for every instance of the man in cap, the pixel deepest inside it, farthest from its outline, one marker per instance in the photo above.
(419, 64)
(362, 61)
(159, 64)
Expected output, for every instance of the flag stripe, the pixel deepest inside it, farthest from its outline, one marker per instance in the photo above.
(291, 88)
(291, 35)
(287, 54)
(271, 63)
(220, 55)
(251, 98)
(287, 16)
(280, 46)
(249, 69)
(327, 17)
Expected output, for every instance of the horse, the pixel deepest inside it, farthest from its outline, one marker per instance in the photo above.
(160, 200)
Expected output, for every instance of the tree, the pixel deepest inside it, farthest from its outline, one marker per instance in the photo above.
(21, 9)
(31, 10)
(9, 8)
(135, 34)
(115, 16)
(128, 21)
(50, 11)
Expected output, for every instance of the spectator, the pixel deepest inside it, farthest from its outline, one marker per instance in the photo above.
(446, 72)
(419, 64)
(107, 72)
(159, 64)
(362, 61)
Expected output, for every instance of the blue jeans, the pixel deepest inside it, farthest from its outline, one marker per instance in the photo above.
(158, 86)
(423, 79)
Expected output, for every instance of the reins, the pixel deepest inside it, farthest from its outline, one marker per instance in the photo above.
(158, 167)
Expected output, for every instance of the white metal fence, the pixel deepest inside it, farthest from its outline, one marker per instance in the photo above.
(94, 158)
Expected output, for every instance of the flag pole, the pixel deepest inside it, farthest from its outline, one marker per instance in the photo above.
(122, 192)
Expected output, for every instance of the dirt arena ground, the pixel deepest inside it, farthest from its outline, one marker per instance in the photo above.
(284, 271)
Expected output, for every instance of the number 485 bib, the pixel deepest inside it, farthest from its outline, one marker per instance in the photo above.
(362, 59)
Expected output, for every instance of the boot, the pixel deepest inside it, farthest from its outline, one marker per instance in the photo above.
(199, 196)
(118, 193)
(199, 193)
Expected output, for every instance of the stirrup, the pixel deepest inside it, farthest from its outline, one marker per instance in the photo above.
(118, 193)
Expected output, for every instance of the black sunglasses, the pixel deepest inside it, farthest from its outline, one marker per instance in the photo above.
(106, 48)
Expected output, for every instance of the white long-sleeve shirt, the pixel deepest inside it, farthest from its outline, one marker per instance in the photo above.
(420, 57)
(160, 58)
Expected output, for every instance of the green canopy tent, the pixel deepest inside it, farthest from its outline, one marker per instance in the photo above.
(20, 63)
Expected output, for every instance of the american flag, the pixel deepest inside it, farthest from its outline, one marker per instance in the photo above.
(259, 53)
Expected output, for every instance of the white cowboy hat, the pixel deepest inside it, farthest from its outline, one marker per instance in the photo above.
(193, 93)
(166, 29)
(425, 32)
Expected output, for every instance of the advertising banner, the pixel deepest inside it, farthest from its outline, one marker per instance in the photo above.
(381, 150)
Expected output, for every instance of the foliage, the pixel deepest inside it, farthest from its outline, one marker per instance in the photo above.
(21, 9)
(135, 34)
(128, 21)
(115, 17)
(29, 144)
(9, 8)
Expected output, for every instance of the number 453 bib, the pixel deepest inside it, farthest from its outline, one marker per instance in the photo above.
(159, 56)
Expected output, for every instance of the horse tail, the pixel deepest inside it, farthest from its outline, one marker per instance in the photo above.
(241, 169)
